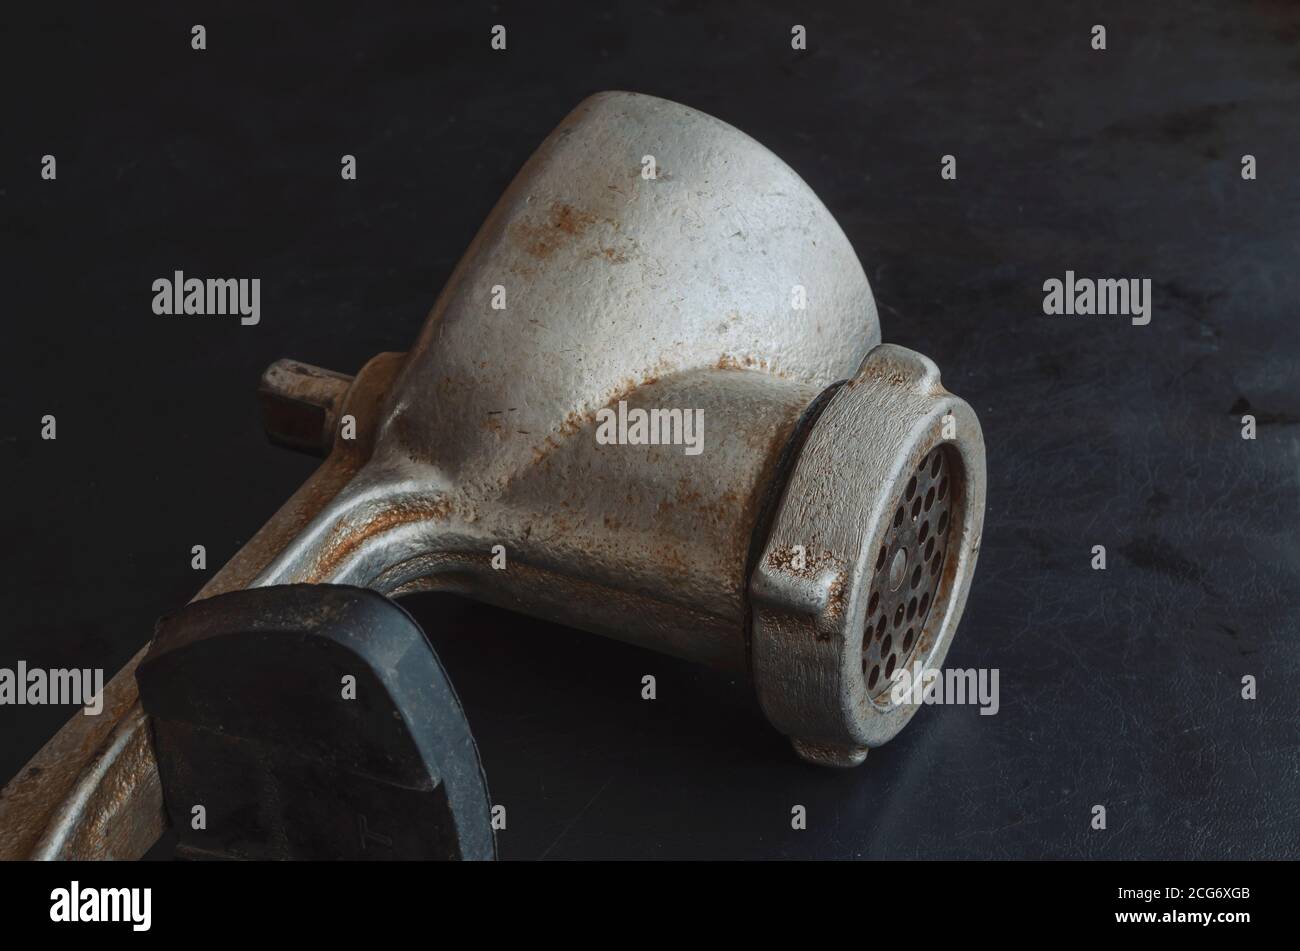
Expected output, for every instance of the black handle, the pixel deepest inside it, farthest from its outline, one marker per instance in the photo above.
(311, 722)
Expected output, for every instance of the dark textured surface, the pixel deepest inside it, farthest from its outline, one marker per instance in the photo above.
(1118, 687)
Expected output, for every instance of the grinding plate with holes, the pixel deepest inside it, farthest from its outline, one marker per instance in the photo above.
(907, 571)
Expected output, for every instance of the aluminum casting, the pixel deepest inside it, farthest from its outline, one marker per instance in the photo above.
(825, 536)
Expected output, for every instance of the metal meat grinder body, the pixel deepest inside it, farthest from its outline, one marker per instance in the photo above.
(821, 535)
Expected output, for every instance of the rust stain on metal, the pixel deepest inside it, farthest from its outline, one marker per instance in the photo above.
(563, 224)
(814, 563)
(730, 361)
(348, 537)
(574, 422)
(612, 255)
(948, 573)
(125, 813)
(884, 372)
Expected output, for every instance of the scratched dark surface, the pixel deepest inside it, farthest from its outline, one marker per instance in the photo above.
(1118, 687)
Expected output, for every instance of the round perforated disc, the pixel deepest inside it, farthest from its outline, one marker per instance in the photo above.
(908, 569)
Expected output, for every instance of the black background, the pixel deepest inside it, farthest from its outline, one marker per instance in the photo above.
(1119, 687)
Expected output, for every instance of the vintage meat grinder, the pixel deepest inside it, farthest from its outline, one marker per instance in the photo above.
(647, 255)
